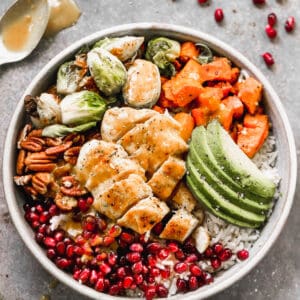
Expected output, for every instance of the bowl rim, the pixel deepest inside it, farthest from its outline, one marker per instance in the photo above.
(9, 187)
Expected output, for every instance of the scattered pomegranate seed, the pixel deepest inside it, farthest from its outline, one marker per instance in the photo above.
(215, 263)
(89, 223)
(112, 258)
(51, 253)
(49, 242)
(173, 247)
(60, 248)
(181, 285)
(193, 283)
(163, 253)
(89, 201)
(272, 19)
(93, 277)
(104, 268)
(268, 58)
(180, 267)
(127, 282)
(219, 15)
(85, 275)
(162, 291)
(78, 250)
(70, 251)
(82, 205)
(195, 270)
(137, 267)
(126, 237)
(217, 248)
(208, 252)
(225, 254)
(53, 210)
(63, 263)
(59, 235)
(150, 292)
(207, 277)
(76, 274)
(101, 224)
(202, 1)
(154, 272)
(138, 278)
(39, 237)
(44, 217)
(180, 255)
(121, 273)
(259, 1)
(243, 254)
(133, 257)
(136, 247)
(39, 208)
(154, 247)
(108, 240)
(165, 273)
(115, 231)
(191, 258)
(100, 285)
(270, 31)
(114, 289)
(290, 24)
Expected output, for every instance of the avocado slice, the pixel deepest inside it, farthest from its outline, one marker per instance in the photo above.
(200, 143)
(229, 194)
(202, 199)
(236, 163)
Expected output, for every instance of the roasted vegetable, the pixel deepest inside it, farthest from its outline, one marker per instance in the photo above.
(82, 107)
(107, 71)
(59, 130)
(68, 78)
(163, 51)
(123, 48)
(43, 110)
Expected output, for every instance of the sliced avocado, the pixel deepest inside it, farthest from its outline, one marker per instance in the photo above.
(218, 203)
(236, 198)
(236, 163)
(200, 143)
(202, 199)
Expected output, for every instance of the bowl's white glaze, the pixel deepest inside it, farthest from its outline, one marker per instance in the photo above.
(287, 159)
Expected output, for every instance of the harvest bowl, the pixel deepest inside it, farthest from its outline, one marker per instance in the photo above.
(286, 162)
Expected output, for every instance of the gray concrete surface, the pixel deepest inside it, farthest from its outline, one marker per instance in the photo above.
(278, 275)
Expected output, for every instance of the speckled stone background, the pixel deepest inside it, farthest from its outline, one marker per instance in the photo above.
(278, 275)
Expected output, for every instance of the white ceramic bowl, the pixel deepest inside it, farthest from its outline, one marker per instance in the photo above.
(287, 160)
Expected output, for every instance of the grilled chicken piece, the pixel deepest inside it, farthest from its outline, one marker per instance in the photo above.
(152, 142)
(166, 177)
(100, 164)
(180, 226)
(183, 198)
(117, 121)
(116, 200)
(144, 215)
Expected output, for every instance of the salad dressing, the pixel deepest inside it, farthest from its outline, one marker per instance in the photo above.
(64, 13)
(16, 34)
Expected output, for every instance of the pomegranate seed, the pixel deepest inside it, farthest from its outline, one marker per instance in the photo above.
(42, 229)
(33, 216)
(225, 254)
(26, 207)
(153, 247)
(219, 15)
(101, 224)
(268, 58)
(121, 273)
(195, 270)
(202, 1)
(35, 224)
(44, 217)
(162, 291)
(270, 31)
(93, 277)
(39, 208)
(173, 247)
(180, 255)
(207, 277)
(53, 210)
(87, 234)
(70, 251)
(272, 19)
(165, 273)
(82, 205)
(208, 252)
(151, 261)
(191, 258)
(100, 285)
(158, 228)
(89, 201)
(180, 267)
(133, 257)
(63, 263)
(150, 292)
(49, 242)
(217, 248)
(115, 231)
(108, 240)
(137, 267)
(76, 274)
(105, 268)
(102, 256)
(181, 285)
(114, 289)
(127, 282)
(85, 275)
(138, 278)
(154, 272)
(112, 258)
(78, 250)
(89, 223)
(136, 247)
(163, 253)
(290, 24)
(59, 235)
(67, 241)
(215, 263)
(60, 248)
(259, 1)
(193, 283)
(51, 253)
(243, 254)
(126, 237)
(39, 237)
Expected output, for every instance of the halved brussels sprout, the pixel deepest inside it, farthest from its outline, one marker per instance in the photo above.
(107, 71)
(123, 48)
(68, 78)
(82, 107)
(205, 55)
(163, 51)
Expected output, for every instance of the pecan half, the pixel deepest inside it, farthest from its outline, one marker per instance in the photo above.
(40, 182)
(36, 133)
(49, 167)
(20, 162)
(33, 144)
(71, 187)
(23, 134)
(62, 170)
(52, 142)
(58, 149)
(65, 203)
(76, 138)
(22, 180)
(39, 158)
(71, 155)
